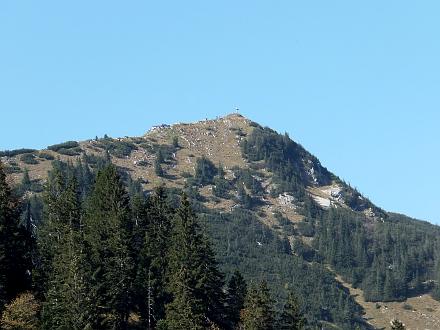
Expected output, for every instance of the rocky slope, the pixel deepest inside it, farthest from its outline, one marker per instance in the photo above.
(218, 139)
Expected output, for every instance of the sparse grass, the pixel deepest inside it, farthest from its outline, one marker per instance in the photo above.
(421, 311)
(195, 140)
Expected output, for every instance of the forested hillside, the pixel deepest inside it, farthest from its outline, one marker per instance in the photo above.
(389, 256)
(218, 224)
(110, 260)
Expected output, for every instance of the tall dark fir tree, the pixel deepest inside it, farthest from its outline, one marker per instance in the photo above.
(152, 232)
(67, 304)
(235, 298)
(15, 241)
(258, 313)
(291, 317)
(107, 237)
(195, 282)
(53, 229)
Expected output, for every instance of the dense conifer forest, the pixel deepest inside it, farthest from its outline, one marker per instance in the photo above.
(390, 258)
(100, 257)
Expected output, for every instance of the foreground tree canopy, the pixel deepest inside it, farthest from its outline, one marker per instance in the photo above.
(108, 260)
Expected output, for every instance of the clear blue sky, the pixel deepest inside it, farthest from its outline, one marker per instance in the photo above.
(357, 83)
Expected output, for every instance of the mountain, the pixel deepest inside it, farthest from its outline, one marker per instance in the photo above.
(273, 211)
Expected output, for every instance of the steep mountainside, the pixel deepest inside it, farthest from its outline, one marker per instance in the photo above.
(221, 141)
(273, 211)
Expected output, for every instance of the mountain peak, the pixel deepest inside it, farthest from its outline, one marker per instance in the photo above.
(220, 140)
(235, 115)
(251, 175)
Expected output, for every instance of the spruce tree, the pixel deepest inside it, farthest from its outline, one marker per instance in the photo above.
(291, 317)
(221, 185)
(184, 311)
(210, 284)
(25, 183)
(195, 283)
(436, 291)
(205, 171)
(258, 313)
(67, 304)
(158, 168)
(243, 197)
(53, 228)
(159, 156)
(175, 142)
(221, 171)
(236, 294)
(107, 235)
(84, 176)
(14, 246)
(389, 286)
(153, 229)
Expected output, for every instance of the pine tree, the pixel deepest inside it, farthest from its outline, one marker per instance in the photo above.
(291, 317)
(107, 233)
(194, 280)
(258, 313)
(14, 246)
(236, 294)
